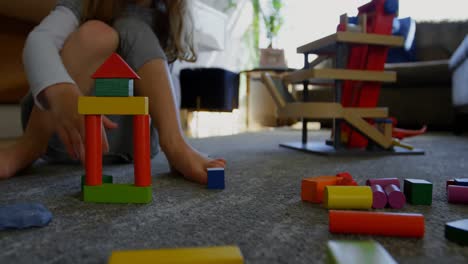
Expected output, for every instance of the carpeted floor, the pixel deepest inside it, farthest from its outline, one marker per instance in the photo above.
(260, 210)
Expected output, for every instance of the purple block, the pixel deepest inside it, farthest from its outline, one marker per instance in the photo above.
(379, 198)
(396, 198)
(457, 194)
(383, 182)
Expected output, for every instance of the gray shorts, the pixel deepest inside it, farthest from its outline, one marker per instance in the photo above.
(138, 45)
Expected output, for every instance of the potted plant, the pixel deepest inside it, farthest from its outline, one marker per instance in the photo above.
(273, 20)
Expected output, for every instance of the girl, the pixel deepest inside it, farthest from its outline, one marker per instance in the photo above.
(68, 46)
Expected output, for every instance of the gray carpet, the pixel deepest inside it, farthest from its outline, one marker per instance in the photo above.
(260, 210)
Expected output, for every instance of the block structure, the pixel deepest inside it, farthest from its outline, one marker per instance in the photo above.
(457, 231)
(216, 178)
(114, 81)
(357, 252)
(418, 192)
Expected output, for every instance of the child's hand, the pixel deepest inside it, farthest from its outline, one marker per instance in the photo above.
(63, 103)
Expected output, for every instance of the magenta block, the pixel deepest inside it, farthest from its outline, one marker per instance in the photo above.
(383, 182)
(457, 194)
(396, 198)
(379, 198)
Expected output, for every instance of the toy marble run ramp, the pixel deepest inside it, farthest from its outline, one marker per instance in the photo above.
(359, 53)
(114, 96)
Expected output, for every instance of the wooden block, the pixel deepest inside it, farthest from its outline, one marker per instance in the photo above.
(383, 182)
(379, 197)
(347, 197)
(115, 67)
(457, 194)
(90, 105)
(142, 150)
(457, 231)
(461, 181)
(208, 255)
(418, 192)
(396, 198)
(357, 252)
(215, 178)
(93, 149)
(376, 223)
(340, 74)
(312, 188)
(113, 87)
(117, 193)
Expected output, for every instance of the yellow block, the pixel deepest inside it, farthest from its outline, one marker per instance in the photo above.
(90, 105)
(209, 255)
(347, 197)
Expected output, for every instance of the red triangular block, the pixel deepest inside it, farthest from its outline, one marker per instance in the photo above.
(115, 67)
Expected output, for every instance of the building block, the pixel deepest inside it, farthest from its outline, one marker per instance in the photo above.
(347, 197)
(418, 192)
(91, 105)
(312, 188)
(457, 194)
(141, 150)
(113, 87)
(396, 198)
(216, 178)
(449, 182)
(208, 255)
(115, 67)
(93, 150)
(117, 193)
(379, 197)
(346, 179)
(105, 179)
(383, 182)
(357, 252)
(376, 223)
(461, 181)
(457, 231)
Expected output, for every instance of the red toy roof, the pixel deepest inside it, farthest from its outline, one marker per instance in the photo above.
(115, 67)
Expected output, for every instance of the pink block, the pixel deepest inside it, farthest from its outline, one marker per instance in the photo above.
(379, 198)
(396, 198)
(457, 194)
(383, 182)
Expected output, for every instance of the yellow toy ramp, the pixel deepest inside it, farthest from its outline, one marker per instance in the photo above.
(208, 255)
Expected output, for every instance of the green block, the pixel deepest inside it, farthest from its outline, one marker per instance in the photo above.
(357, 252)
(457, 231)
(105, 179)
(117, 193)
(418, 192)
(113, 87)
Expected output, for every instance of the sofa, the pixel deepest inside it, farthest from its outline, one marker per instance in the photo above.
(423, 91)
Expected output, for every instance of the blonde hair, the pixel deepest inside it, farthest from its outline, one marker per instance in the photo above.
(173, 24)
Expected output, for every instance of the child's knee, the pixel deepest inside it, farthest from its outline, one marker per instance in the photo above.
(97, 37)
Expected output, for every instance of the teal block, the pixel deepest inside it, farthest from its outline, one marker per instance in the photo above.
(357, 252)
(105, 179)
(113, 87)
(418, 192)
(457, 231)
(117, 193)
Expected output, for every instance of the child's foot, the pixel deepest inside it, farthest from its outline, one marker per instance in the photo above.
(191, 163)
(17, 156)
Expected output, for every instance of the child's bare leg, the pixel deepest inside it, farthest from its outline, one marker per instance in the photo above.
(155, 83)
(81, 55)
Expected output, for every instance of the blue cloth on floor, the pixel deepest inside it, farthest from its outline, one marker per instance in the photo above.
(20, 216)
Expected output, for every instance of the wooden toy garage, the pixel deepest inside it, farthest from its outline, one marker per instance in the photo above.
(114, 96)
(359, 52)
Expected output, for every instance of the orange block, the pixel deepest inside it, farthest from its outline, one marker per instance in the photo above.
(312, 188)
(376, 223)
